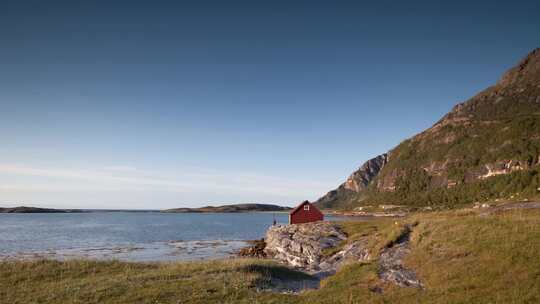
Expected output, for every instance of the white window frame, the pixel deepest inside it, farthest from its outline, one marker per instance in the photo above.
(306, 207)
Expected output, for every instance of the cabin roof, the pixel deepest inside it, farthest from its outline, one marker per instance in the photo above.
(299, 207)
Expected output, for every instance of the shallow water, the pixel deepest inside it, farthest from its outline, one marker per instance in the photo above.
(131, 236)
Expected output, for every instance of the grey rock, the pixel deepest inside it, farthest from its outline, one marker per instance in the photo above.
(391, 267)
(302, 245)
(354, 252)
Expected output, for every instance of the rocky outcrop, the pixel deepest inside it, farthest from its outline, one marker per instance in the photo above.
(356, 182)
(302, 245)
(391, 267)
(361, 178)
(502, 167)
(529, 66)
(356, 251)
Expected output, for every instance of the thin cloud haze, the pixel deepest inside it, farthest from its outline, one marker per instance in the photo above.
(121, 179)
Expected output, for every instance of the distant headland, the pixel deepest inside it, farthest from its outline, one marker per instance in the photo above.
(236, 208)
(23, 209)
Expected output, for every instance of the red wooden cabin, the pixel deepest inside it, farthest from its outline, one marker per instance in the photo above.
(305, 213)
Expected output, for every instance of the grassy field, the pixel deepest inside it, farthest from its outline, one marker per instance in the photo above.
(460, 257)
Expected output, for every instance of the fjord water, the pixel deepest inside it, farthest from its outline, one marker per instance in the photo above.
(133, 236)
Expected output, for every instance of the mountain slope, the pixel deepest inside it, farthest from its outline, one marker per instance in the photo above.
(487, 147)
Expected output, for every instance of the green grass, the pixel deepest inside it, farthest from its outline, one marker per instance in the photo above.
(459, 256)
(377, 233)
(493, 259)
(228, 281)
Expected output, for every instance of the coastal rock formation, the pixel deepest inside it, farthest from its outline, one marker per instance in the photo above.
(302, 245)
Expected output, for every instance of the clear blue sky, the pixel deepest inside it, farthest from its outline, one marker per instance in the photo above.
(157, 104)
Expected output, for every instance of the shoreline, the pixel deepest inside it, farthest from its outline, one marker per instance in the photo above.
(165, 251)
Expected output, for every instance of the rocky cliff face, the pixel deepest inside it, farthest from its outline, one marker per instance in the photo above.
(525, 71)
(468, 152)
(356, 182)
(361, 178)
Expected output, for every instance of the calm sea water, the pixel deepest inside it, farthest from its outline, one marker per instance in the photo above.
(141, 236)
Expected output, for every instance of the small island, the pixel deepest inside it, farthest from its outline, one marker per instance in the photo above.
(24, 209)
(236, 208)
